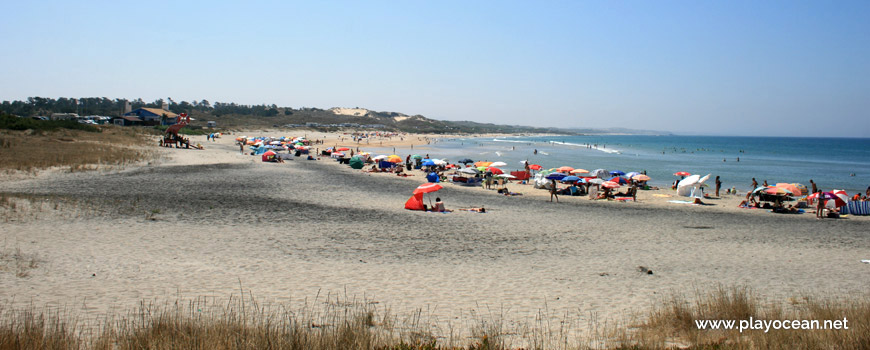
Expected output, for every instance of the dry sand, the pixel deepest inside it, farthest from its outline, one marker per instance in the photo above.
(202, 223)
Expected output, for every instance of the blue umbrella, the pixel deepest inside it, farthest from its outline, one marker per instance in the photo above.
(617, 173)
(466, 161)
(570, 179)
(556, 176)
(631, 174)
(428, 162)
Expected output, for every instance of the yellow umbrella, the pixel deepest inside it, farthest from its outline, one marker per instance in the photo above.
(579, 171)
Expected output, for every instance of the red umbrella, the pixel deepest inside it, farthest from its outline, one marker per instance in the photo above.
(535, 167)
(837, 201)
(682, 173)
(343, 149)
(610, 184)
(495, 170)
(427, 188)
(619, 180)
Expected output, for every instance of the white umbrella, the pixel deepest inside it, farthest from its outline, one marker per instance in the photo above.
(498, 164)
(383, 156)
(506, 176)
(596, 181)
(468, 171)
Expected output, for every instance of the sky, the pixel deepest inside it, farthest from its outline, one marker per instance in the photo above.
(749, 68)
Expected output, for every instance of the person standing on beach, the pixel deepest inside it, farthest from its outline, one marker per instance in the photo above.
(718, 186)
(553, 190)
(820, 206)
(815, 189)
(755, 184)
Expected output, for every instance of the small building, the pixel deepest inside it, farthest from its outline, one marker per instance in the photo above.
(127, 121)
(153, 116)
(211, 123)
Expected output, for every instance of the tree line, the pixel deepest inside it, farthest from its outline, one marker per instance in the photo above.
(42, 106)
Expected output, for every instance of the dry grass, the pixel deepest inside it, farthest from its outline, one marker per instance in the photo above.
(672, 322)
(18, 262)
(28, 151)
(335, 323)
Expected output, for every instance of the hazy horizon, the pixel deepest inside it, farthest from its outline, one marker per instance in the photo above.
(731, 69)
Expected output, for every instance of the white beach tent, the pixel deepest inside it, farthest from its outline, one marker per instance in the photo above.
(692, 186)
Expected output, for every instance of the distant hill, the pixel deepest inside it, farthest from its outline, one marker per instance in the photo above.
(232, 115)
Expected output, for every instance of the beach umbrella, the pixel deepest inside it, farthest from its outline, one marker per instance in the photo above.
(640, 177)
(600, 173)
(556, 176)
(428, 162)
(439, 161)
(416, 156)
(481, 168)
(342, 149)
(610, 184)
(535, 167)
(495, 170)
(789, 187)
(498, 164)
(567, 179)
(579, 171)
(482, 164)
(778, 191)
(564, 169)
(506, 176)
(428, 188)
(356, 162)
(619, 180)
(472, 171)
(466, 161)
(596, 181)
(617, 173)
(394, 159)
(382, 156)
(682, 173)
(631, 174)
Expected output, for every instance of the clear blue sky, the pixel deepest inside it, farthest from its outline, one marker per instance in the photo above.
(783, 68)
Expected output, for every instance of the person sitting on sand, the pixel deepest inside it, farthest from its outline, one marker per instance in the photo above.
(439, 206)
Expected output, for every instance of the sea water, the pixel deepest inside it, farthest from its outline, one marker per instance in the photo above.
(832, 163)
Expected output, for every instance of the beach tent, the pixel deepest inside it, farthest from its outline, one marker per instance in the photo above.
(356, 162)
(268, 156)
(416, 200)
(432, 177)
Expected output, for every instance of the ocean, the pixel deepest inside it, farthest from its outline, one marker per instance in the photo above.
(832, 163)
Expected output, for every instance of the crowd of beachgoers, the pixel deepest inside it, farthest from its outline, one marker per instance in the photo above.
(597, 184)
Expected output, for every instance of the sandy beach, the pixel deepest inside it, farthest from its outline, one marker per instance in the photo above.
(205, 222)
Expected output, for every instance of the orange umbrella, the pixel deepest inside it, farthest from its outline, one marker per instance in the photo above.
(482, 164)
(790, 187)
(579, 171)
(564, 169)
(640, 177)
(394, 159)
